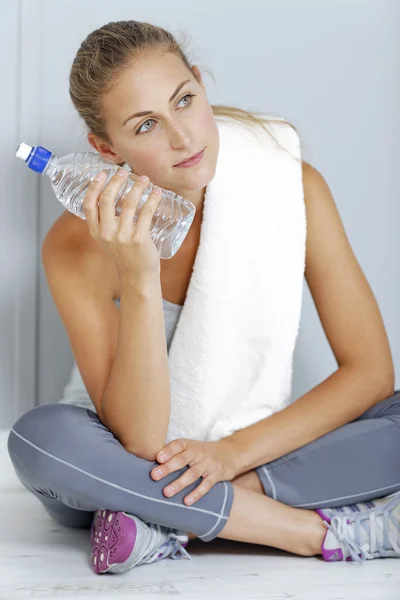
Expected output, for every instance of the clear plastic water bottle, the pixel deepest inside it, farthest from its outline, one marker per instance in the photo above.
(70, 176)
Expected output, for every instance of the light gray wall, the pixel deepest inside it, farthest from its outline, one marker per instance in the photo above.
(331, 68)
(19, 225)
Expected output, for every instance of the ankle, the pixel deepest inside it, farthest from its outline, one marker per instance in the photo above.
(316, 531)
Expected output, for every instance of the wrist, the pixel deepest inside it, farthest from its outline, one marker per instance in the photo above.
(233, 454)
(145, 288)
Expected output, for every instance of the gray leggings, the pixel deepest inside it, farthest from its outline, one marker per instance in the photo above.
(68, 459)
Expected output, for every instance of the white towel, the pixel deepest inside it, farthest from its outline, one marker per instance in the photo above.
(231, 356)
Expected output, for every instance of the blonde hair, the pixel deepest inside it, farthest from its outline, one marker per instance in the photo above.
(110, 50)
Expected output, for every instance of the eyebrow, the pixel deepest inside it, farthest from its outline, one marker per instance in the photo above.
(149, 112)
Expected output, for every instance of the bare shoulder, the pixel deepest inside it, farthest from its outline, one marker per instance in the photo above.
(69, 243)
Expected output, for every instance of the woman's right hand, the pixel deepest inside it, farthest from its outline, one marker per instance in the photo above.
(129, 243)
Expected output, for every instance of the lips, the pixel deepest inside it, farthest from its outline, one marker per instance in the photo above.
(190, 158)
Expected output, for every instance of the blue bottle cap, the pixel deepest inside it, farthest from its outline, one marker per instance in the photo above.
(36, 158)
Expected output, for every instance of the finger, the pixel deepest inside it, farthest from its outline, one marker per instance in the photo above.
(129, 207)
(107, 199)
(172, 448)
(147, 212)
(206, 485)
(190, 476)
(174, 464)
(89, 205)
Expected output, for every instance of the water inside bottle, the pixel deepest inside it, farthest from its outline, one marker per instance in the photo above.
(171, 220)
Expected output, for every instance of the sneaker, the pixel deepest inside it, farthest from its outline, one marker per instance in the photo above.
(121, 541)
(328, 513)
(357, 534)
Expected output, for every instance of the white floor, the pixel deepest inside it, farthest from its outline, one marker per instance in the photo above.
(40, 559)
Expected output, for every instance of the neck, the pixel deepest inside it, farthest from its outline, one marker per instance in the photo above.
(196, 197)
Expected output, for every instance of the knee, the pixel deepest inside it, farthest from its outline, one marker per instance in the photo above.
(46, 421)
(41, 427)
(392, 408)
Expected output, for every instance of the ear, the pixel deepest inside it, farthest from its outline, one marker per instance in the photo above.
(104, 149)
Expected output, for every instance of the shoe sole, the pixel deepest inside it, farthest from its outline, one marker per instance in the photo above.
(113, 536)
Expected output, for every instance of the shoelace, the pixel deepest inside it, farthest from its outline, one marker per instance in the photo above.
(173, 547)
(342, 528)
(170, 547)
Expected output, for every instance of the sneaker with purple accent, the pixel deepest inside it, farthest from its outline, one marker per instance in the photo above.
(328, 513)
(121, 541)
(360, 532)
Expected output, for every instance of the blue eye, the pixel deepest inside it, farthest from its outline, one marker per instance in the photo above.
(138, 132)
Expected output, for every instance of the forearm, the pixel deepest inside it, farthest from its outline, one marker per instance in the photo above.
(339, 399)
(136, 400)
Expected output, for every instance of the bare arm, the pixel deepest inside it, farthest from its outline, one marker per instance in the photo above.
(136, 400)
(121, 354)
(354, 327)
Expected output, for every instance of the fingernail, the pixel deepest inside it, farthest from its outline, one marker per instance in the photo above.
(162, 456)
(100, 176)
(157, 473)
(189, 500)
(122, 173)
(157, 190)
(143, 178)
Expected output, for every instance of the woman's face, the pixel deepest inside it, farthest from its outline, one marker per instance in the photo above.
(174, 129)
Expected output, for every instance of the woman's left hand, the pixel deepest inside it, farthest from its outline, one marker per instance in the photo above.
(211, 460)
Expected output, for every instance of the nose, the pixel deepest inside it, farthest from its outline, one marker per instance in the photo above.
(179, 136)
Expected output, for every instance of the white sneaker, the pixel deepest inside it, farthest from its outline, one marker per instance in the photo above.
(358, 532)
(121, 541)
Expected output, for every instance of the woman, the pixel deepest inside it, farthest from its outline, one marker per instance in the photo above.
(98, 470)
